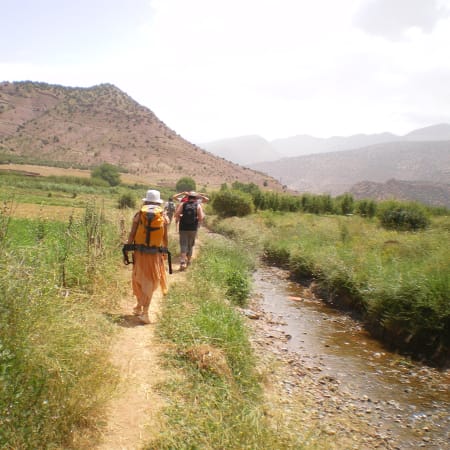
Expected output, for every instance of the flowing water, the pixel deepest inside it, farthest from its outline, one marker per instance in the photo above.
(410, 401)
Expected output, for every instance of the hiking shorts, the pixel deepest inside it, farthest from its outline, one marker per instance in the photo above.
(187, 241)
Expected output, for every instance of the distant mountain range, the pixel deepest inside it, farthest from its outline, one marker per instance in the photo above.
(248, 150)
(417, 163)
(337, 172)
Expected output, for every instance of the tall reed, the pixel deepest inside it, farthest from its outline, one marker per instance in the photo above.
(55, 373)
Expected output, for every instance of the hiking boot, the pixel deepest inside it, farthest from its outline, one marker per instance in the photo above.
(182, 266)
(144, 318)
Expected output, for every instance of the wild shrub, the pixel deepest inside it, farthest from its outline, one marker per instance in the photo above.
(107, 172)
(302, 267)
(403, 216)
(366, 208)
(250, 188)
(238, 288)
(126, 201)
(230, 203)
(276, 254)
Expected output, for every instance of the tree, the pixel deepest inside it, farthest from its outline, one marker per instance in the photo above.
(107, 172)
(231, 203)
(346, 204)
(185, 184)
(401, 216)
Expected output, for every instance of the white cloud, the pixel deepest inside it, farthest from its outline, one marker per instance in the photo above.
(212, 69)
(393, 18)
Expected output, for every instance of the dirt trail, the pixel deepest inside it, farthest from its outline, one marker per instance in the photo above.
(133, 413)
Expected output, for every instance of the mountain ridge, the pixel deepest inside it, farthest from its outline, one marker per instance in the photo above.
(304, 144)
(336, 172)
(89, 126)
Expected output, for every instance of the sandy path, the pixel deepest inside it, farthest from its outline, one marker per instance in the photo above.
(133, 413)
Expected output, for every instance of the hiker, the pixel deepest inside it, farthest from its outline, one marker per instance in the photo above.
(170, 209)
(150, 249)
(189, 215)
(183, 197)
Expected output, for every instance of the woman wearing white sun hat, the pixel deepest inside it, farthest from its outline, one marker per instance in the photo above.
(149, 268)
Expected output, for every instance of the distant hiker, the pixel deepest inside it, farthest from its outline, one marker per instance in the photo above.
(170, 209)
(183, 197)
(149, 240)
(189, 215)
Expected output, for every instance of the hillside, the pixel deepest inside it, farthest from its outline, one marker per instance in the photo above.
(85, 127)
(434, 194)
(337, 172)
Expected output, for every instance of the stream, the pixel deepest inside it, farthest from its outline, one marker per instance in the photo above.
(409, 401)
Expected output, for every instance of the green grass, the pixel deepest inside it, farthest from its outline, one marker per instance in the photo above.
(54, 339)
(215, 400)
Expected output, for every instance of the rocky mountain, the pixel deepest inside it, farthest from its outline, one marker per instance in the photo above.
(89, 126)
(440, 132)
(337, 172)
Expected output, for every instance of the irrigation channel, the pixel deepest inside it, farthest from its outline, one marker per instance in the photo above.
(409, 401)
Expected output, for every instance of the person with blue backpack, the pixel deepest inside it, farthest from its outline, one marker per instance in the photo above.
(188, 216)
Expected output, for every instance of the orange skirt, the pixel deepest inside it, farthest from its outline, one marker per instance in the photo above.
(149, 272)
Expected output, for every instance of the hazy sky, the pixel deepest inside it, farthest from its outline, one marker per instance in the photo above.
(213, 69)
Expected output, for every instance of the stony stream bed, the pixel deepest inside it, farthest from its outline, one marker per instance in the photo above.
(405, 404)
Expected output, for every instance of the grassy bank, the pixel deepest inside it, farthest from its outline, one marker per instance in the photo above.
(216, 398)
(55, 278)
(397, 281)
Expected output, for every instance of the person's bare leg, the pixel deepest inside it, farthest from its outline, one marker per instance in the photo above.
(137, 309)
(149, 288)
(144, 317)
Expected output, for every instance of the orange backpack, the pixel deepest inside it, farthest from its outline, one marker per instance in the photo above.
(150, 231)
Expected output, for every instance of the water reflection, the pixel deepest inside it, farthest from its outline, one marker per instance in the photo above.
(407, 395)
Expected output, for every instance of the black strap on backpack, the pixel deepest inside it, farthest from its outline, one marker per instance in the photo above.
(145, 249)
(148, 229)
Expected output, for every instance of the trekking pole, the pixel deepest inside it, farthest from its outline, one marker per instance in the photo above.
(169, 260)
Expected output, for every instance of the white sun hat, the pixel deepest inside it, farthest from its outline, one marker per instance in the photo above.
(153, 197)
